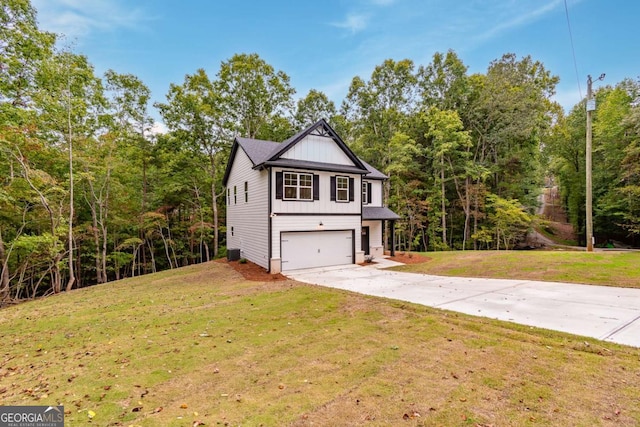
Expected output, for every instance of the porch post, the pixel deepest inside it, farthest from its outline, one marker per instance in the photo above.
(393, 237)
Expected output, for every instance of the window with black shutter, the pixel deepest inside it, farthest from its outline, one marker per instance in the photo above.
(366, 193)
(292, 186)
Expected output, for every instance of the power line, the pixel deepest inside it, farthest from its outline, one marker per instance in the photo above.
(573, 50)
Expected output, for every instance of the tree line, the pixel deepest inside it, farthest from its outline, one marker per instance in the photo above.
(89, 194)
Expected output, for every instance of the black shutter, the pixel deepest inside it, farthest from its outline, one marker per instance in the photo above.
(368, 192)
(279, 185)
(351, 185)
(333, 188)
(316, 187)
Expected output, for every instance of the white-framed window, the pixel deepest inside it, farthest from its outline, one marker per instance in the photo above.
(246, 191)
(235, 195)
(342, 189)
(298, 186)
(365, 193)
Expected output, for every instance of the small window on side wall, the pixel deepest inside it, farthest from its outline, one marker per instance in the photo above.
(246, 191)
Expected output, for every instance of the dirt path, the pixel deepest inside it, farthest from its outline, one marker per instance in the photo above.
(551, 210)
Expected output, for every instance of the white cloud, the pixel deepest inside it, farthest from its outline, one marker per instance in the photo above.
(353, 22)
(158, 128)
(520, 16)
(77, 18)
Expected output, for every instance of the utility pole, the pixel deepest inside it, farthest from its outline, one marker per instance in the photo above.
(591, 106)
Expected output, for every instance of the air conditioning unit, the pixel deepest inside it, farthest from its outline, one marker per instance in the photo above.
(233, 254)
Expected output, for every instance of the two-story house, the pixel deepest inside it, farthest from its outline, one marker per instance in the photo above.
(306, 202)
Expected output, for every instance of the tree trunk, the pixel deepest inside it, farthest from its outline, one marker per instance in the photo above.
(103, 227)
(72, 273)
(467, 211)
(96, 240)
(56, 279)
(4, 272)
(476, 212)
(443, 202)
(166, 249)
(214, 204)
(153, 257)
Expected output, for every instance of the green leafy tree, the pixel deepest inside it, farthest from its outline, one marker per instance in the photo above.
(377, 109)
(313, 107)
(449, 149)
(511, 115)
(444, 82)
(72, 105)
(509, 219)
(194, 112)
(253, 94)
(22, 49)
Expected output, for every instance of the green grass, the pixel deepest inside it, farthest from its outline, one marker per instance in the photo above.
(596, 268)
(201, 344)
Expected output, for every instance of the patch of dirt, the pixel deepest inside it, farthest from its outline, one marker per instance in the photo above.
(251, 271)
(557, 217)
(254, 272)
(409, 258)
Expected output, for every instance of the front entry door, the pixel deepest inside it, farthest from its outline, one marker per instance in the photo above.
(365, 240)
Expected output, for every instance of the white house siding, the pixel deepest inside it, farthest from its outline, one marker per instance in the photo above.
(284, 223)
(317, 149)
(248, 220)
(376, 192)
(324, 205)
(375, 237)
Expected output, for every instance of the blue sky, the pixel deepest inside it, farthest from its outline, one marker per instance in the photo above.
(324, 44)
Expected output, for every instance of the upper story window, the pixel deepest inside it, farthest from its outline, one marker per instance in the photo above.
(246, 191)
(297, 186)
(342, 189)
(366, 193)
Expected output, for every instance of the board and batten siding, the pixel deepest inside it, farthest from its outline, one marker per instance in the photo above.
(317, 149)
(376, 192)
(247, 221)
(375, 237)
(284, 223)
(324, 205)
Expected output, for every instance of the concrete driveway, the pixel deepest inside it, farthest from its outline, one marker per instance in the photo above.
(606, 313)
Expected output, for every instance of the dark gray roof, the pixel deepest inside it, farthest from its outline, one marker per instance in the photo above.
(373, 172)
(305, 164)
(267, 153)
(258, 150)
(378, 212)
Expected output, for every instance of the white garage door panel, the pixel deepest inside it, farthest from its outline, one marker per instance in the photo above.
(316, 249)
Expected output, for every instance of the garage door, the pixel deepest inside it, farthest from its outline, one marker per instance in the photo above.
(316, 249)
